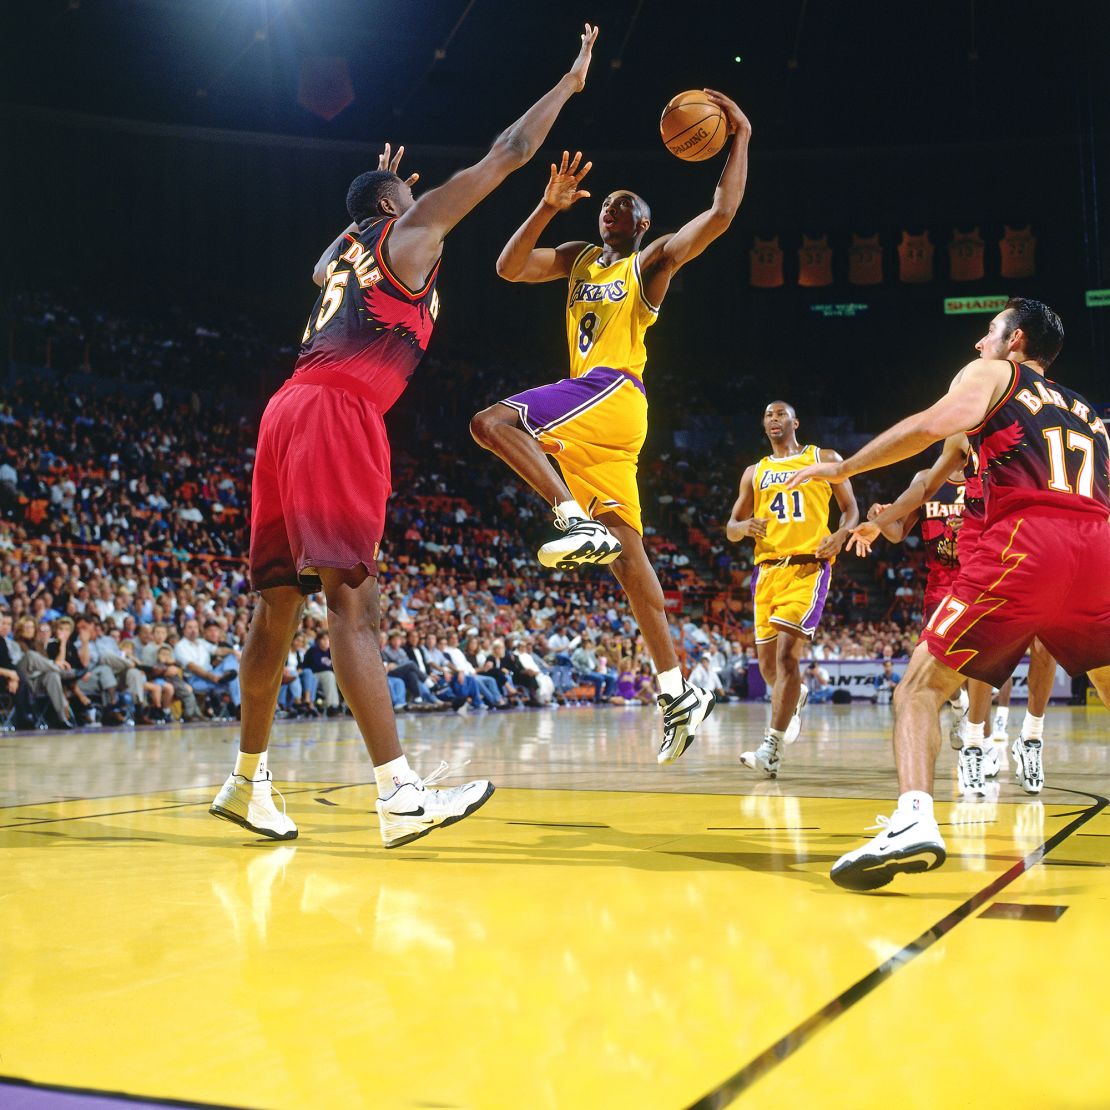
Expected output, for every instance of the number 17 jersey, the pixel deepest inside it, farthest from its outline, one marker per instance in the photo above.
(607, 314)
(797, 519)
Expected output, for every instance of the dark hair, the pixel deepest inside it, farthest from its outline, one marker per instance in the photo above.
(368, 190)
(1044, 333)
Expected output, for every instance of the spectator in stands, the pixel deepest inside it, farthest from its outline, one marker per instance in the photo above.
(885, 683)
(818, 682)
(584, 661)
(318, 660)
(41, 675)
(705, 675)
(156, 657)
(398, 665)
(196, 657)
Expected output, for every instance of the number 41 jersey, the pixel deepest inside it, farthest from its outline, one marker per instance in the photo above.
(797, 519)
(607, 314)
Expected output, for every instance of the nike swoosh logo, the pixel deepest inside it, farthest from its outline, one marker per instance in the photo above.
(893, 833)
(409, 813)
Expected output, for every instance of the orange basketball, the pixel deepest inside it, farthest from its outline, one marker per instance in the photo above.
(693, 127)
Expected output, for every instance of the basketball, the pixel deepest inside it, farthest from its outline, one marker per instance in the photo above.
(693, 127)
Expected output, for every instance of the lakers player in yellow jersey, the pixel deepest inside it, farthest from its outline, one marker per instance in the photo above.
(594, 422)
(794, 553)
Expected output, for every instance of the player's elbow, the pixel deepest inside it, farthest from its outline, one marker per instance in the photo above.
(507, 269)
(512, 149)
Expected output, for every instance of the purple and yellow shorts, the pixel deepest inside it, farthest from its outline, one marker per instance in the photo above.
(595, 426)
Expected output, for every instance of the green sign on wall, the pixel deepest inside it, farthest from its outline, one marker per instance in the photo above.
(1098, 298)
(962, 306)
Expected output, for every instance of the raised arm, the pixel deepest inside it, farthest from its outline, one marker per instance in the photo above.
(974, 391)
(666, 255)
(417, 236)
(521, 259)
(387, 160)
(741, 523)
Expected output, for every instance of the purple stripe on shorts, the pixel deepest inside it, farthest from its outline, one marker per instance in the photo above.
(813, 617)
(548, 405)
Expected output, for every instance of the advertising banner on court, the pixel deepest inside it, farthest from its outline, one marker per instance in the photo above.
(860, 676)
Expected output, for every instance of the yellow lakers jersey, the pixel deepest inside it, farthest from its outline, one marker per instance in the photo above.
(607, 314)
(797, 519)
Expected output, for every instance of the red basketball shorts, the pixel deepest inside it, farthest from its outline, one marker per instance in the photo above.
(321, 481)
(1040, 571)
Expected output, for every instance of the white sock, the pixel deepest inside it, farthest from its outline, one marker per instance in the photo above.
(973, 734)
(670, 682)
(391, 775)
(1032, 728)
(778, 734)
(570, 509)
(1002, 713)
(916, 802)
(251, 765)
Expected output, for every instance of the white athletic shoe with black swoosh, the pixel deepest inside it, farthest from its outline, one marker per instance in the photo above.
(1028, 764)
(681, 717)
(249, 803)
(969, 770)
(582, 541)
(909, 842)
(414, 809)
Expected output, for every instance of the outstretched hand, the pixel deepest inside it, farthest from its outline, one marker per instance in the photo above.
(737, 121)
(562, 187)
(385, 162)
(826, 471)
(861, 538)
(581, 65)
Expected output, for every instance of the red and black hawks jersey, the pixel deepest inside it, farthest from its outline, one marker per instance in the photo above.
(366, 324)
(940, 521)
(1041, 444)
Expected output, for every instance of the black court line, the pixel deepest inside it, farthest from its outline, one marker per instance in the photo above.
(14, 1082)
(762, 828)
(802, 1033)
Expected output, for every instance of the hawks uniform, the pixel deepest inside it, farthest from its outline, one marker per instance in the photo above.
(322, 469)
(1041, 565)
(790, 583)
(941, 518)
(595, 421)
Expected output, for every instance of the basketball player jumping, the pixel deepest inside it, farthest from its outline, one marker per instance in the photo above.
(595, 421)
(1041, 566)
(980, 757)
(794, 553)
(322, 475)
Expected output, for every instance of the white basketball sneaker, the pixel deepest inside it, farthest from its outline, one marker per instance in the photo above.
(969, 770)
(250, 803)
(909, 842)
(795, 725)
(681, 717)
(414, 809)
(994, 759)
(766, 758)
(583, 541)
(1000, 734)
(1027, 763)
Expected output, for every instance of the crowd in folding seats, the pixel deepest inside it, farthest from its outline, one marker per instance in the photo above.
(124, 518)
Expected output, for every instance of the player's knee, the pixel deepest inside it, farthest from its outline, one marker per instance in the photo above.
(482, 425)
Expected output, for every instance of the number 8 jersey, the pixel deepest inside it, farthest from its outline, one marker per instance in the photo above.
(607, 314)
(798, 519)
